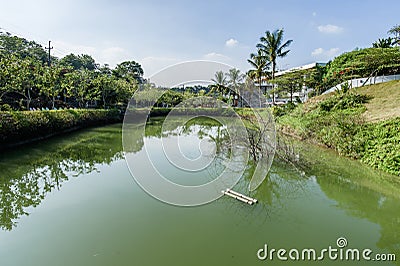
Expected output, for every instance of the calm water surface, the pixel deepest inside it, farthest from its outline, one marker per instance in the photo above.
(72, 201)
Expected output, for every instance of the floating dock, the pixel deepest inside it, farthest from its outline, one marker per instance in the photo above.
(238, 196)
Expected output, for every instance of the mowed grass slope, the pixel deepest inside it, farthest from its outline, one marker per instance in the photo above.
(384, 101)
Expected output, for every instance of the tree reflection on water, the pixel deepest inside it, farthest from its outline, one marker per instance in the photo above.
(27, 175)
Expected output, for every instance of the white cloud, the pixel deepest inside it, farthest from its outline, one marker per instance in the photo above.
(64, 48)
(113, 55)
(314, 14)
(105, 55)
(322, 54)
(330, 29)
(153, 64)
(216, 57)
(231, 43)
(317, 52)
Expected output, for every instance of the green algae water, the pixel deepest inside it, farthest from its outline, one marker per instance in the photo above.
(71, 200)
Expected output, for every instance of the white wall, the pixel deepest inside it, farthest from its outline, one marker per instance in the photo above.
(355, 83)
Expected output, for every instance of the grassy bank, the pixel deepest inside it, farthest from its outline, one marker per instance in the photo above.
(356, 124)
(18, 127)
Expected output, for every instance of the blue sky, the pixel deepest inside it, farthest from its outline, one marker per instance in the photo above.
(160, 33)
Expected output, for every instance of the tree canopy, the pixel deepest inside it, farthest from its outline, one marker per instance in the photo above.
(26, 81)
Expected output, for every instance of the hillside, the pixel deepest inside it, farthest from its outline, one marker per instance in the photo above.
(383, 102)
(363, 124)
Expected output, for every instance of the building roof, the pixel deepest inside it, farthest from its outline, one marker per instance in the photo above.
(303, 67)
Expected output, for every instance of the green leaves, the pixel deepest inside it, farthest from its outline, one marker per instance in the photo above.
(74, 80)
(384, 43)
(130, 71)
(363, 63)
(273, 45)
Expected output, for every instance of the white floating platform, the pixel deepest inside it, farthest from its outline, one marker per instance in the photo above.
(238, 196)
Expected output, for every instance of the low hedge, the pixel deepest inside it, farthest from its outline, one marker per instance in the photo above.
(24, 126)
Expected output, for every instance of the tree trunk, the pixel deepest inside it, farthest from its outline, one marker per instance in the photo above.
(28, 100)
(259, 84)
(273, 85)
(291, 95)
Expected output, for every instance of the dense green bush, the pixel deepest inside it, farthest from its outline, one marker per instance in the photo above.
(19, 126)
(382, 145)
(343, 102)
(364, 62)
(282, 110)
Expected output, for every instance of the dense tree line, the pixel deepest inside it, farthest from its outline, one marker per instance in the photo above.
(27, 81)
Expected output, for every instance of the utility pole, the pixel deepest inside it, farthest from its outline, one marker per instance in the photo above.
(49, 48)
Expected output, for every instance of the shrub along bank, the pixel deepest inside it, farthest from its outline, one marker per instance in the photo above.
(18, 127)
(338, 122)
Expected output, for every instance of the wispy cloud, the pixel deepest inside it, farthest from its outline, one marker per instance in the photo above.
(153, 64)
(322, 54)
(330, 29)
(111, 55)
(231, 43)
(216, 57)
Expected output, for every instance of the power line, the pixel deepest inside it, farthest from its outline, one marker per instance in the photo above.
(31, 36)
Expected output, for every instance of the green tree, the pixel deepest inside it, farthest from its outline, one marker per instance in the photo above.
(290, 83)
(79, 62)
(235, 78)
(273, 45)
(148, 95)
(260, 65)
(5, 74)
(384, 43)
(171, 98)
(129, 70)
(78, 84)
(23, 78)
(106, 88)
(21, 48)
(52, 83)
(220, 83)
(362, 63)
(125, 90)
(395, 30)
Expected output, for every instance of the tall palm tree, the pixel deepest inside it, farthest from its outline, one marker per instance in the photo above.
(384, 43)
(260, 65)
(235, 78)
(273, 46)
(220, 83)
(395, 30)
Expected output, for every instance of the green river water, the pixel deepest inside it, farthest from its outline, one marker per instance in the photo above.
(71, 200)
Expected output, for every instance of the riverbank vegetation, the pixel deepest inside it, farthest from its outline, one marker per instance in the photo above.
(17, 127)
(342, 121)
